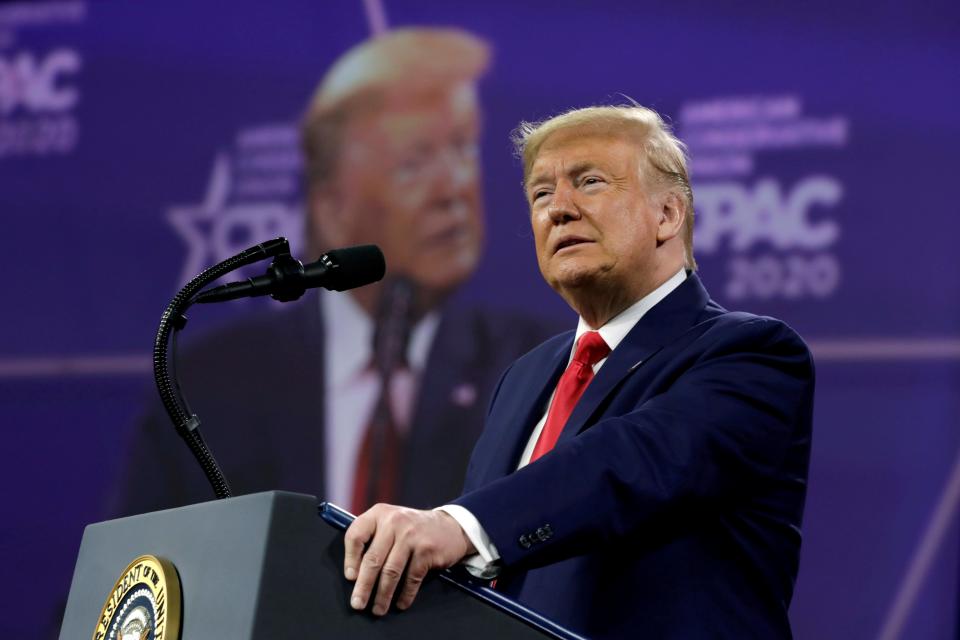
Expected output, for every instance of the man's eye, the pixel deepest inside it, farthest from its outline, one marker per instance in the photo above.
(538, 194)
(592, 180)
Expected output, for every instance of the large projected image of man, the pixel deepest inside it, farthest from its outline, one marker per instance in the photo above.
(376, 395)
(645, 474)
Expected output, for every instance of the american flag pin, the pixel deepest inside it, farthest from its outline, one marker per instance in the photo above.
(464, 395)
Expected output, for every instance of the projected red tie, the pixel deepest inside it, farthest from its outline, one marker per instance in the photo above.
(377, 474)
(378, 464)
(591, 349)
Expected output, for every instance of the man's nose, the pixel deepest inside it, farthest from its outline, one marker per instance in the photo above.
(563, 204)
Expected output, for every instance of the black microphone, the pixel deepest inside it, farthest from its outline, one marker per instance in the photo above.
(287, 278)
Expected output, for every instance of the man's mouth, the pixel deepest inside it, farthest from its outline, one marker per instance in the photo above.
(569, 241)
(448, 235)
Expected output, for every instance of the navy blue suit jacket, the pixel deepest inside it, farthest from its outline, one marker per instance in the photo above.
(671, 505)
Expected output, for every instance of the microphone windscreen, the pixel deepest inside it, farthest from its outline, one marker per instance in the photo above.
(356, 267)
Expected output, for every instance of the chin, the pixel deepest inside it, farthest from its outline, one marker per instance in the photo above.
(573, 277)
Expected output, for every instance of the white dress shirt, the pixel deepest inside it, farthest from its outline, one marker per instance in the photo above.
(352, 386)
(482, 564)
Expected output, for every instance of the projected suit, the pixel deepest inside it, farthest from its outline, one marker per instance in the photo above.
(258, 390)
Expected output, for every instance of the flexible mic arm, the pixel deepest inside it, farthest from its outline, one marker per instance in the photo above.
(174, 320)
(287, 279)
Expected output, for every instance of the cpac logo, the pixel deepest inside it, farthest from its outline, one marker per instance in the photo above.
(38, 83)
(216, 228)
(789, 226)
(747, 216)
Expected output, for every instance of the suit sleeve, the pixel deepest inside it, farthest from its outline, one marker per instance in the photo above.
(723, 428)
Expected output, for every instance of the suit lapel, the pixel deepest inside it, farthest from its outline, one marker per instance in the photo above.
(451, 366)
(519, 406)
(534, 405)
(663, 324)
(447, 397)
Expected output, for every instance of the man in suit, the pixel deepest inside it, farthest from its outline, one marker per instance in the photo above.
(644, 475)
(375, 394)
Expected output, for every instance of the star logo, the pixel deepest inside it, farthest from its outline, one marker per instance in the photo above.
(221, 226)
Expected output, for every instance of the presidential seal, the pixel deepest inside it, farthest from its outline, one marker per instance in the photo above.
(144, 603)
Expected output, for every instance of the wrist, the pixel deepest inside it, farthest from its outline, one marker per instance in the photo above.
(468, 548)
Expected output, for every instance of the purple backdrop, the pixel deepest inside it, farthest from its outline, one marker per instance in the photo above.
(140, 142)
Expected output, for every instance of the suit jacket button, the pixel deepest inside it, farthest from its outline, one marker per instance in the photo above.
(542, 534)
(525, 541)
(548, 531)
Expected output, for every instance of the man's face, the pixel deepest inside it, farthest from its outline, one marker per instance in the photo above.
(408, 181)
(594, 215)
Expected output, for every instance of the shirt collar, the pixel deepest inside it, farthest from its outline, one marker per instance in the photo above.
(349, 337)
(617, 328)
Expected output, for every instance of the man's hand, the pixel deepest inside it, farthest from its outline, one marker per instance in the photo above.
(399, 539)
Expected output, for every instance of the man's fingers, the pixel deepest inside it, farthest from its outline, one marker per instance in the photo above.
(390, 576)
(401, 544)
(358, 534)
(370, 566)
(416, 572)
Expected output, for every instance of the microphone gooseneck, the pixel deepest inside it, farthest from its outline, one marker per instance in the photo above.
(173, 320)
(286, 279)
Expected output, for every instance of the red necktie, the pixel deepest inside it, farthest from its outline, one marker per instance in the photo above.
(377, 474)
(591, 349)
(378, 464)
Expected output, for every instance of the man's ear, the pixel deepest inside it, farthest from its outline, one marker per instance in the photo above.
(329, 220)
(672, 214)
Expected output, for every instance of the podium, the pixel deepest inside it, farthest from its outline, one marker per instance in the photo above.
(266, 565)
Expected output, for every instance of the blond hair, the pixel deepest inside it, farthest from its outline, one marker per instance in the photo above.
(663, 151)
(408, 60)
